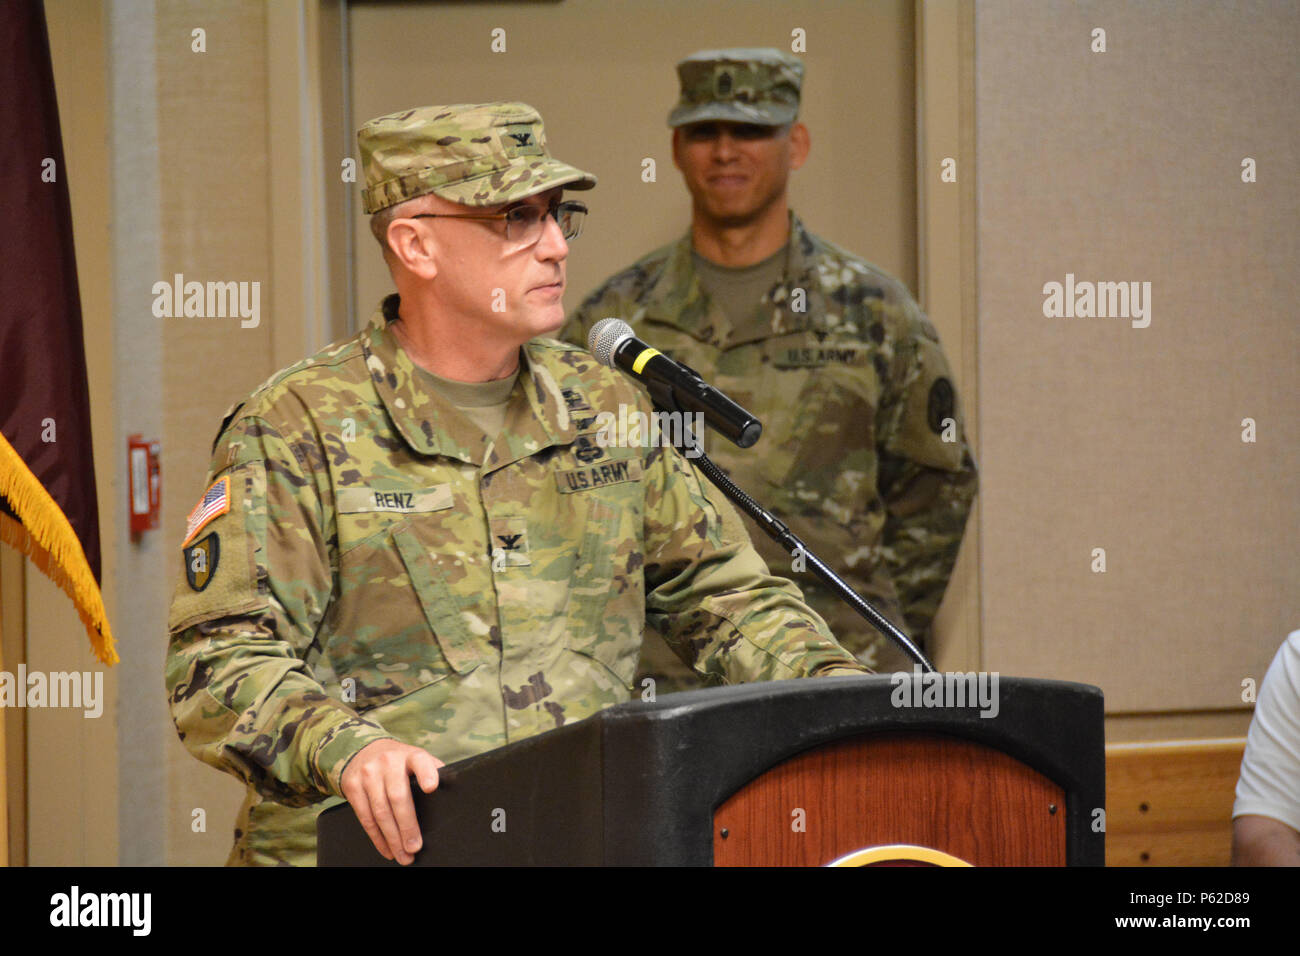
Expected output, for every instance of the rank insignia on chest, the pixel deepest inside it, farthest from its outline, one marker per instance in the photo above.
(586, 450)
(574, 400)
(509, 543)
(201, 561)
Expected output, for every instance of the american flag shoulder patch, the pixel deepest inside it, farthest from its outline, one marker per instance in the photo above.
(215, 502)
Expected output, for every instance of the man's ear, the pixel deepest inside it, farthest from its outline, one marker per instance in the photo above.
(800, 144)
(677, 143)
(415, 249)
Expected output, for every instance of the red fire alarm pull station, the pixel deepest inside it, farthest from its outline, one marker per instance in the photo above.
(145, 484)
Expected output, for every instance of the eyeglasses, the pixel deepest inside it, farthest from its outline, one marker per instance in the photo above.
(524, 223)
(709, 130)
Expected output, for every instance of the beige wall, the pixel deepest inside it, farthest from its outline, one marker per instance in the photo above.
(215, 224)
(1126, 165)
(602, 76)
(241, 196)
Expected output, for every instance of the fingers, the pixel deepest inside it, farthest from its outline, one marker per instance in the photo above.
(377, 785)
(425, 767)
(369, 798)
(360, 801)
(403, 832)
(383, 792)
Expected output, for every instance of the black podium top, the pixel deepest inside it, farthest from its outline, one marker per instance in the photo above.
(637, 784)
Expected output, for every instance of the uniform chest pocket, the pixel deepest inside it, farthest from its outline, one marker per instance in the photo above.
(397, 624)
(446, 609)
(820, 453)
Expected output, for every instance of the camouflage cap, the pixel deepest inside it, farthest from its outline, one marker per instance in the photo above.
(746, 85)
(476, 154)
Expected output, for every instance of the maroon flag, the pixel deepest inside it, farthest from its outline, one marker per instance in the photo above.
(47, 473)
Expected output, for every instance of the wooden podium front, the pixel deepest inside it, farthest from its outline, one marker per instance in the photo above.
(797, 772)
(963, 798)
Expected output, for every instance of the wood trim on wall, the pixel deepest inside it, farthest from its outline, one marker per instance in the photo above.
(305, 98)
(946, 261)
(13, 724)
(1131, 728)
(1169, 803)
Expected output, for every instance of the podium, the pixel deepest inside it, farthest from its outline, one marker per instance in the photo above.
(879, 769)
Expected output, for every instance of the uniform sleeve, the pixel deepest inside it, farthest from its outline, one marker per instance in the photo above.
(710, 595)
(927, 476)
(1269, 784)
(256, 581)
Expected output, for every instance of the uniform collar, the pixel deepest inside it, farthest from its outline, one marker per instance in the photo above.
(432, 426)
(676, 298)
(545, 420)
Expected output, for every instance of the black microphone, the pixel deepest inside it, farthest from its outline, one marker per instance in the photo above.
(673, 386)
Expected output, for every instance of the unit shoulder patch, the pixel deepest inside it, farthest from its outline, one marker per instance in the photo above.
(201, 561)
(940, 405)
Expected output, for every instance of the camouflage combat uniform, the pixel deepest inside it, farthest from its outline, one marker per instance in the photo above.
(847, 376)
(383, 570)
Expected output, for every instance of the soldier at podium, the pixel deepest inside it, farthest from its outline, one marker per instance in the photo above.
(411, 548)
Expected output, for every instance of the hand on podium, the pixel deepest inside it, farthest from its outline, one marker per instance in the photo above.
(377, 784)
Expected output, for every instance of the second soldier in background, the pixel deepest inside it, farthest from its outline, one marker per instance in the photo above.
(863, 451)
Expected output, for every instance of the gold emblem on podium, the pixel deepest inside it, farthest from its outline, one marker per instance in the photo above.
(899, 854)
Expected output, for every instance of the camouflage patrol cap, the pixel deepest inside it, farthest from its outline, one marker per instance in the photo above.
(476, 154)
(746, 85)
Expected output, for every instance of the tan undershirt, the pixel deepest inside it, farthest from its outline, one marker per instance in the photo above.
(483, 403)
(737, 292)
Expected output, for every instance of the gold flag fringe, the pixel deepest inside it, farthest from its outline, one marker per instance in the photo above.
(44, 534)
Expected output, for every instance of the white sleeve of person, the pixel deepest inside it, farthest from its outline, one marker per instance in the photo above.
(1269, 784)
